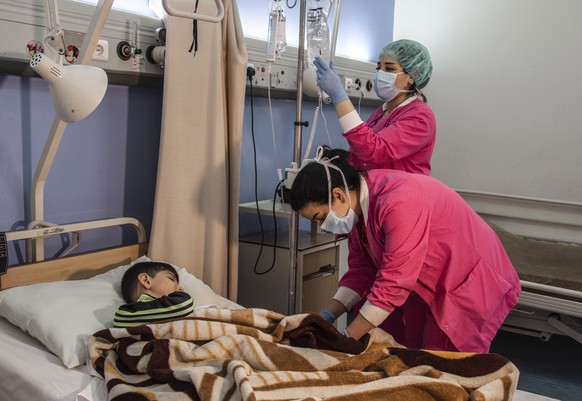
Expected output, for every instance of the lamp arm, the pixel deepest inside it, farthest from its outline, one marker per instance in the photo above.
(94, 30)
(35, 250)
(55, 37)
(52, 15)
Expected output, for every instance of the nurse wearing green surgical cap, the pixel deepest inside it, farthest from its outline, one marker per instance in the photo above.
(401, 133)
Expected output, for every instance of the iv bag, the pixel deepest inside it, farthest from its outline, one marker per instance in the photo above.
(276, 34)
(317, 31)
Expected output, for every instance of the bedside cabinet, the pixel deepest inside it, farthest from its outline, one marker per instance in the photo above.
(320, 261)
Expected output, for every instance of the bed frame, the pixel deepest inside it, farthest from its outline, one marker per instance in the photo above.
(74, 267)
(549, 303)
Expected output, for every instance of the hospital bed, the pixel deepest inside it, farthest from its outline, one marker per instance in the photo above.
(58, 303)
(32, 319)
(543, 239)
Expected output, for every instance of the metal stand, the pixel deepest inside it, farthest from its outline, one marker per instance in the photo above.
(35, 247)
(294, 302)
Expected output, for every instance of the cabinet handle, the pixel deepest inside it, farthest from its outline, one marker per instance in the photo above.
(324, 271)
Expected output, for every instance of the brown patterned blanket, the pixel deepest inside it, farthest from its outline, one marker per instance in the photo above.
(255, 354)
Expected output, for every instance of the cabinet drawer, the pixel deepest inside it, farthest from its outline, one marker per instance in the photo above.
(318, 291)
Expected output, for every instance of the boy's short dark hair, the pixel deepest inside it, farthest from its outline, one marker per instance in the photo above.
(129, 281)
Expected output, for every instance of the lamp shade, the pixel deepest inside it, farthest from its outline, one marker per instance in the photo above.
(76, 90)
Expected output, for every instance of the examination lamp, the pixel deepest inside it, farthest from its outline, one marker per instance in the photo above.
(76, 90)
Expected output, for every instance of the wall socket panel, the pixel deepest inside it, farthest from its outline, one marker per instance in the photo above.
(101, 52)
(25, 20)
(280, 77)
(357, 76)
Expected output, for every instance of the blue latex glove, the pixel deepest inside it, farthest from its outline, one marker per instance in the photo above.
(327, 315)
(329, 81)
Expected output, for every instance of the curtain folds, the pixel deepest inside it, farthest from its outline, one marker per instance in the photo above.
(195, 222)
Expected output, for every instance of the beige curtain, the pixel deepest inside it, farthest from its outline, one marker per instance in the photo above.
(195, 222)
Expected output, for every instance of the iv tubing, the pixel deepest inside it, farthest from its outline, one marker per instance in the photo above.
(325, 123)
(271, 114)
(313, 127)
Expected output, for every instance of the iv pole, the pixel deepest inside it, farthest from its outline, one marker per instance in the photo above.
(294, 302)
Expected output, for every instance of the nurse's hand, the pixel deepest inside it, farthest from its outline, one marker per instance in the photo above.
(329, 81)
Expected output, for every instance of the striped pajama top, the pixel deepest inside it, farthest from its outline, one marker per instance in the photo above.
(148, 309)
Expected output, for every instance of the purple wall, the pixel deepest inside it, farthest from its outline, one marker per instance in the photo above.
(105, 166)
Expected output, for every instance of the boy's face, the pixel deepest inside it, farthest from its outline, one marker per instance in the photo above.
(163, 283)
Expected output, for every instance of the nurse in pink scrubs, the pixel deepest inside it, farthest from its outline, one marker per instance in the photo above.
(422, 264)
(401, 133)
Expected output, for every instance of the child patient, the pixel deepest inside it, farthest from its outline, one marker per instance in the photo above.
(152, 294)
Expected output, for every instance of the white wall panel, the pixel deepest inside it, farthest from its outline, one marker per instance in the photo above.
(506, 91)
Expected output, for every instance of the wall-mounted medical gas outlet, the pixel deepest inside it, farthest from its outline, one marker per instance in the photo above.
(124, 50)
(156, 55)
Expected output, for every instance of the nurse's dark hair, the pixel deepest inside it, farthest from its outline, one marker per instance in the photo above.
(129, 281)
(310, 184)
(417, 91)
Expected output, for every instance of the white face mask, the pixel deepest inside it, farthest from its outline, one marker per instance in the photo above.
(384, 85)
(334, 223)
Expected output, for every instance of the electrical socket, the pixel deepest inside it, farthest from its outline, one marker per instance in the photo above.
(101, 52)
(282, 79)
(348, 83)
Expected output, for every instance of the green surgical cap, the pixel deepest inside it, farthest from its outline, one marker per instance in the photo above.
(413, 57)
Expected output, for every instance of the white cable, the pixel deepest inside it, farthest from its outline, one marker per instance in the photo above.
(271, 114)
(325, 124)
(312, 134)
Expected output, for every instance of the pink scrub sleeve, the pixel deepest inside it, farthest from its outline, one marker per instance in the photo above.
(361, 271)
(408, 133)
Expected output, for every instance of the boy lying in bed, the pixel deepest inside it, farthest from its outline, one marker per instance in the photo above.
(153, 294)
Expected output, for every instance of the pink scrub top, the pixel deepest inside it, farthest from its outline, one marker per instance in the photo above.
(421, 236)
(402, 140)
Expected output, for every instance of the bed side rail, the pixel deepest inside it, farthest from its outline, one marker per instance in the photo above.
(34, 233)
(47, 230)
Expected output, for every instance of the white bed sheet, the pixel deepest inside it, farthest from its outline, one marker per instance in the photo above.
(30, 372)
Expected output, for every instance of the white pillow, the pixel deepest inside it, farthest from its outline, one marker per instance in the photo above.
(62, 314)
